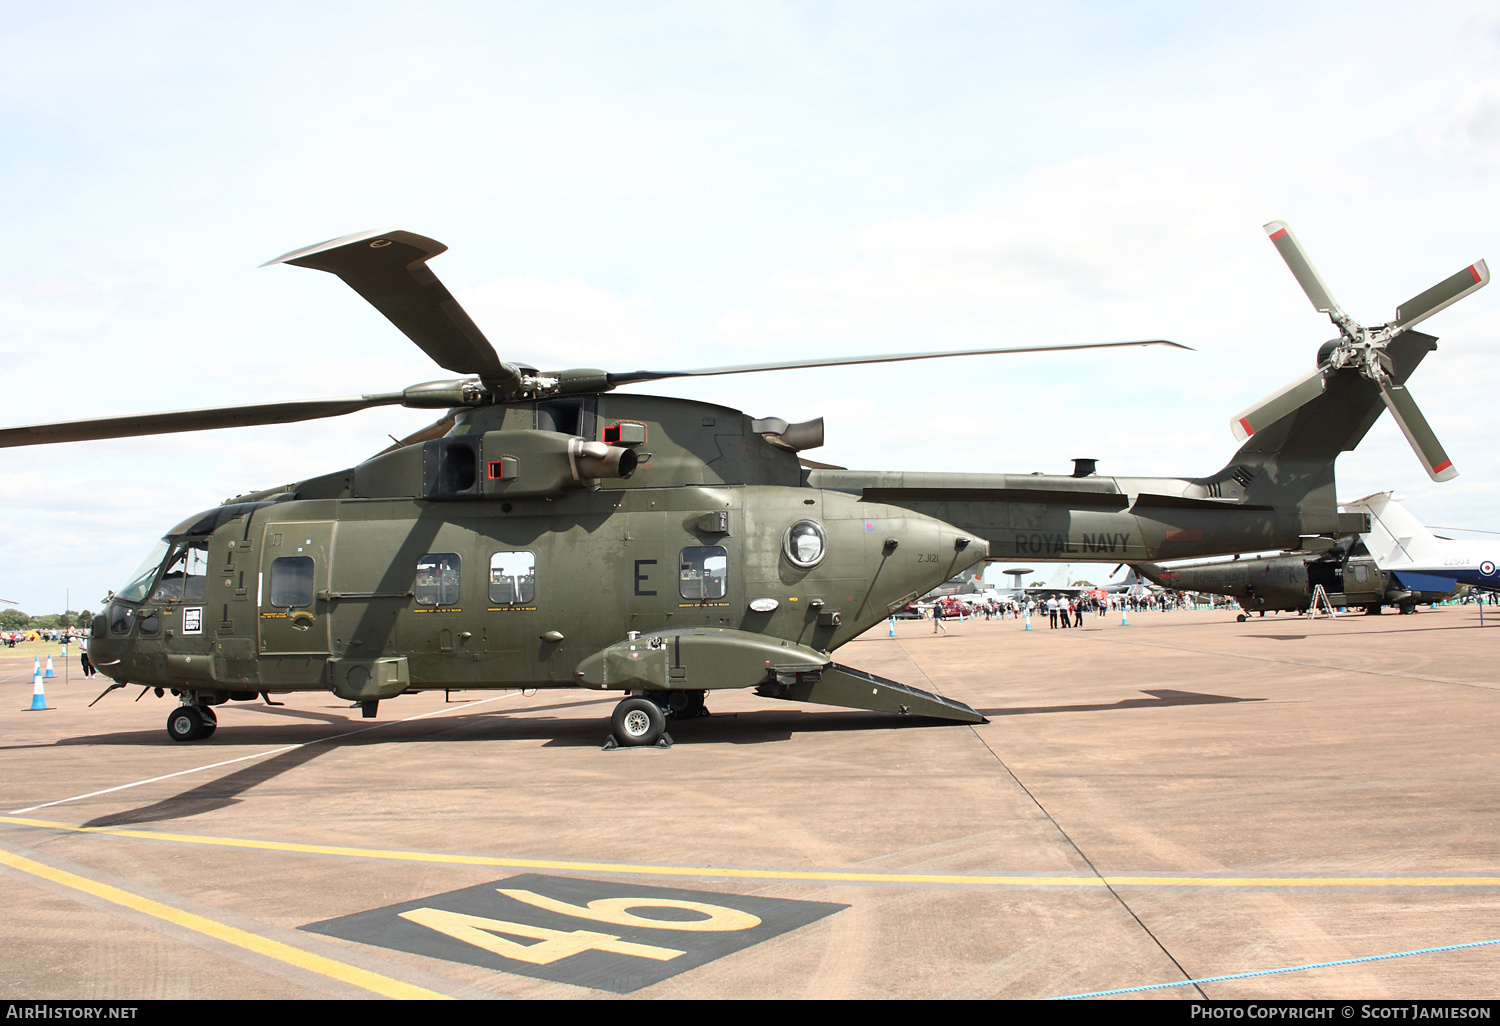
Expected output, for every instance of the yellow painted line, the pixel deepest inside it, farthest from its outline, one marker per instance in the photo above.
(363, 978)
(817, 875)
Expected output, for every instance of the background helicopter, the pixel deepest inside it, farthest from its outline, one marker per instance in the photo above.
(525, 537)
(1347, 572)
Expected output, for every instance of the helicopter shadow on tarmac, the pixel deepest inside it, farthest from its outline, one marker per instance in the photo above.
(225, 791)
(212, 795)
(1401, 630)
(1159, 700)
(757, 727)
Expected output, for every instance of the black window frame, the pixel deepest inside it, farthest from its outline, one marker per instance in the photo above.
(304, 585)
(519, 600)
(692, 560)
(444, 561)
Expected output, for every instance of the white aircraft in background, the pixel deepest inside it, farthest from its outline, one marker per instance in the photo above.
(1420, 560)
(1058, 586)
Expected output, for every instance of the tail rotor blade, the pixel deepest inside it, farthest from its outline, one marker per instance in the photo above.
(1277, 405)
(1414, 426)
(1302, 269)
(1442, 295)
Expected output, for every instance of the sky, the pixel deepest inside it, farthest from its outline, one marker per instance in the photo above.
(677, 185)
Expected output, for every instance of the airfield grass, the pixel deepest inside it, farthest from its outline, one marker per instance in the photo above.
(29, 650)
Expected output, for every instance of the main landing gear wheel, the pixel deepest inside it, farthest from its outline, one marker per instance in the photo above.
(188, 723)
(638, 722)
(1242, 618)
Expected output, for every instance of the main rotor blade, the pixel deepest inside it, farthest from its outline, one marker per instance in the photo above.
(1277, 405)
(1442, 295)
(1414, 426)
(1302, 269)
(192, 420)
(389, 269)
(437, 429)
(627, 377)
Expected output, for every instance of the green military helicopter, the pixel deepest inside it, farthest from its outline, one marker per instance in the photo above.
(1288, 582)
(551, 532)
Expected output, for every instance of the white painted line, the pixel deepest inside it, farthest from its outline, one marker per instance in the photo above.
(257, 755)
(152, 780)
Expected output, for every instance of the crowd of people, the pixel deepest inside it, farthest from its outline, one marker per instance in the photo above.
(1064, 611)
(56, 635)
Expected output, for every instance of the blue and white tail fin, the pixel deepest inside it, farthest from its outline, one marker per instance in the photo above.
(1397, 538)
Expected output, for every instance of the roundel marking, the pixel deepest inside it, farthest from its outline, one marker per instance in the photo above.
(1487, 568)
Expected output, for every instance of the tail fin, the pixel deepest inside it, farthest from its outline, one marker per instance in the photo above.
(1397, 538)
(1290, 461)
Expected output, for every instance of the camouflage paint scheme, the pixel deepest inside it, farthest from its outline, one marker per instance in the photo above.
(662, 540)
(1286, 582)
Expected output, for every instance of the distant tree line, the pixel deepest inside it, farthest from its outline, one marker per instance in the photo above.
(15, 620)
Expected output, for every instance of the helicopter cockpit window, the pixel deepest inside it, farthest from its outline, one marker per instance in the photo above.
(140, 581)
(512, 578)
(186, 576)
(704, 572)
(437, 579)
(291, 581)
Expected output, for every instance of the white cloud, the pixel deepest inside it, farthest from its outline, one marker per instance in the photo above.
(567, 323)
(677, 186)
(1090, 231)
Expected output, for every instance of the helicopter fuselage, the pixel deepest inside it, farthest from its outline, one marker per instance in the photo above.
(632, 543)
(552, 532)
(478, 560)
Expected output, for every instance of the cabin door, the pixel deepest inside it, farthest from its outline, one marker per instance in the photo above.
(293, 601)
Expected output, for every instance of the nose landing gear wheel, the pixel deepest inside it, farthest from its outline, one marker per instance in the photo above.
(187, 723)
(638, 722)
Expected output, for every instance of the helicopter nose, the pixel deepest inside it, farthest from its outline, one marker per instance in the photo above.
(106, 651)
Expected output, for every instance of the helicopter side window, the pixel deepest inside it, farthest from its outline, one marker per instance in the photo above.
(512, 578)
(704, 572)
(186, 576)
(292, 581)
(437, 579)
